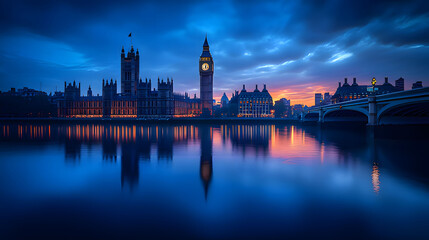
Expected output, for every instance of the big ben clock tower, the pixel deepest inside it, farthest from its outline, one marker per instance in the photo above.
(206, 80)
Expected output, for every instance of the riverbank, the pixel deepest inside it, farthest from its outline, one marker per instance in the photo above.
(153, 121)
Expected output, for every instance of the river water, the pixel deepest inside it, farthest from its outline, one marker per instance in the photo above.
(211, 181)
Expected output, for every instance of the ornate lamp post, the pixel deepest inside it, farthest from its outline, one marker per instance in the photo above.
(373, 82)
(372, 118)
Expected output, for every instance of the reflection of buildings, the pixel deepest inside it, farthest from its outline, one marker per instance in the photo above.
(254, 138)
(72, 150)
(165, 143)
(109, 148)
(129, 165)
(206, 162)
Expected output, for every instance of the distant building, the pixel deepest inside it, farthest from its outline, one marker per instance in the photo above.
(399, 84)
(24, 92)
(71, 92)
(297, 110)
(224, 101)
(282, 108)
(233, 105)
(326, 99)
(318, 99)
(58, 95)
(348, 92)
(26, 102)
(89, 92)
(255, 104)
(417, 84)
(284, 101)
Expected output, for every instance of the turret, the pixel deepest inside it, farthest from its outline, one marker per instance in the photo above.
(256, 89)
(354, 82)
(244, 88)
(71, 92)
(89, 92)
(265, 88)
(130, 71)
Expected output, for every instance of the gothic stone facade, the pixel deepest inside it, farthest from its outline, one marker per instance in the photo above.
(147, 104)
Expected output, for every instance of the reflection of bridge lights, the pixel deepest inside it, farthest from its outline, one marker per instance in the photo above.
(375, 178)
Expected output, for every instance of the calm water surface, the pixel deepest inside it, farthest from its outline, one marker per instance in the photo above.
(210, 181)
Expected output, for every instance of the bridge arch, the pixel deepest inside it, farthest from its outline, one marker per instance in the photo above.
(311, 116)
(346, 115)
(404, 112)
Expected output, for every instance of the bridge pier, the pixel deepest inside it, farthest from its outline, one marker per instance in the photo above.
(372, 109)
(321, 115)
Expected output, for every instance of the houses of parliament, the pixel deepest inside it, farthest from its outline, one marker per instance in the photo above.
(137, 98)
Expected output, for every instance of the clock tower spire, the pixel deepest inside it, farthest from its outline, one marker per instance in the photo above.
(206, 80)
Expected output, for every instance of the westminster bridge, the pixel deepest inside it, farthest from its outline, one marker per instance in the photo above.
(404, 107)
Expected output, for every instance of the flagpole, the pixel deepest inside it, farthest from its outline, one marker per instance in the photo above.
(131, 38)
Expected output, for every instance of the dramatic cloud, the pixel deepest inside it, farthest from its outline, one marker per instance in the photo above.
(296, 47)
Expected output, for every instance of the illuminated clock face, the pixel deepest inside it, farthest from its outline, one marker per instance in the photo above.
(205, 67)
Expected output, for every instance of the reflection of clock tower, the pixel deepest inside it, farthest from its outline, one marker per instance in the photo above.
(206, 80)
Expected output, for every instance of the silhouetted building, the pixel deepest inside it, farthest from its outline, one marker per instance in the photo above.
(282, 108)
(224, 101)
(130, 69)
(399, 84)
(233, 105)
(255, 104)
(348, 92)
(297, 109)
(206, 80)
(24, 92)
(89, 92)
(26, 102)
(318, 99)
(417, 84)
(326, 99)
(71, 92)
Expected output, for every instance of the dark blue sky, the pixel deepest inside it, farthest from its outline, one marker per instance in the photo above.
(296, 47)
